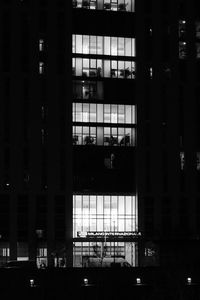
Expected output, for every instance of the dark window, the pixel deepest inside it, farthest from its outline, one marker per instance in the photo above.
(166, 224)
(6, 45)
(7, 159)
(197, 118)
(166, 215)
(25, 119)
(7, 2)
(182, 7)
(25, 42)
(198, 71)
(148, 39)
(61, 3)
(183, 71)
(44, 169)
(41, 215)
(147, 175)
(182, 181)
(6, 110)
(165, 6)
(60, 217)
(148, 133)
(198, 181)
(22, 217)
(43, 22)
(61, 44)
(149, 206)
(165, 171)
(43, 2)
(183, 215)
(149, 215)
(62, 168)
(149, 225)
(4, 217)
(147, 6)
(165, 40)
(197, 210)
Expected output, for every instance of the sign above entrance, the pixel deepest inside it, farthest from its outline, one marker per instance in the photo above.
(109, 234)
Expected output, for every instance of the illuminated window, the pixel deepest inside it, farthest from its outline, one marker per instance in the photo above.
(114, 5)
(103, 45)
(182, 160)
(107, 136)
(198, 50)
(182, 50)
(86, 67)
(198, 161)
(103, 113)
(42, 252)
(41, 257)
(4, 252)
(182, 39)
(41, 45)
(197, 30)
(182, 29)
(41, 67)
(151, 72)
(99, 213)
(22, 251)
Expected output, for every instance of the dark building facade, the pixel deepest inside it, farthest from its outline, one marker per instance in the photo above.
(99, 132)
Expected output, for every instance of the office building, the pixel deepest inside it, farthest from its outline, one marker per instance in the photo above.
(99, 132)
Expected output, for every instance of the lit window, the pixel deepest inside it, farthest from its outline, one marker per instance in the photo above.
(138, 280)
(198, 161)
(189, 280)
(90, 44)
(85, 281)
(182, 50)
(182, 160)
(198, 50)
(182, 29)
(198, 30)
(103, 113)
(151, 72)
(105, 211)
(41, 67)
(86, 67)
(41, 45)
(5, 252)
(182, 39)
(107, 136)
(114, 5)
(42, 252)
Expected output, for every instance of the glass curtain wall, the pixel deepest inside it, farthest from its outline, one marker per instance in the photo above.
(104, 113)
(104, 213)
(86, 67)
(103, 45)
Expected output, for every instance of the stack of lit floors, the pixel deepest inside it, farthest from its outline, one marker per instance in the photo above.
(105, 218)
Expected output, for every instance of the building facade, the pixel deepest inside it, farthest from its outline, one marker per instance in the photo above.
(99, 132)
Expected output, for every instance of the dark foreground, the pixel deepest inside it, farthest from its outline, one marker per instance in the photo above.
(119, 283)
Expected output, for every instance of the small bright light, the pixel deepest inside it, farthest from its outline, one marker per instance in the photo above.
(32, 282)
(189, 280)
(85, 280)
(138, 280)
(7, 183)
